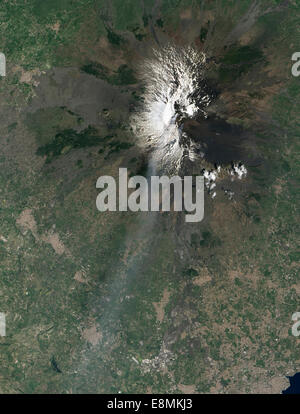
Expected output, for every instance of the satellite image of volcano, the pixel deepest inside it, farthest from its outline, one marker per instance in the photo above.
(145, 302)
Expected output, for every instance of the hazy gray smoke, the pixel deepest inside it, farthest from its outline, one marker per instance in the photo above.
(173, 81)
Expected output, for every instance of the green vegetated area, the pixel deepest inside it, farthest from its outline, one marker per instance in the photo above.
(237, 61)
(69, 139)
(55, 133)
(40, 34)
(123, 76)
(29, 40)
(47, 122)
(76, 319)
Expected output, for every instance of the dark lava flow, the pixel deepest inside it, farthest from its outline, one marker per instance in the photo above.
(222, 143)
